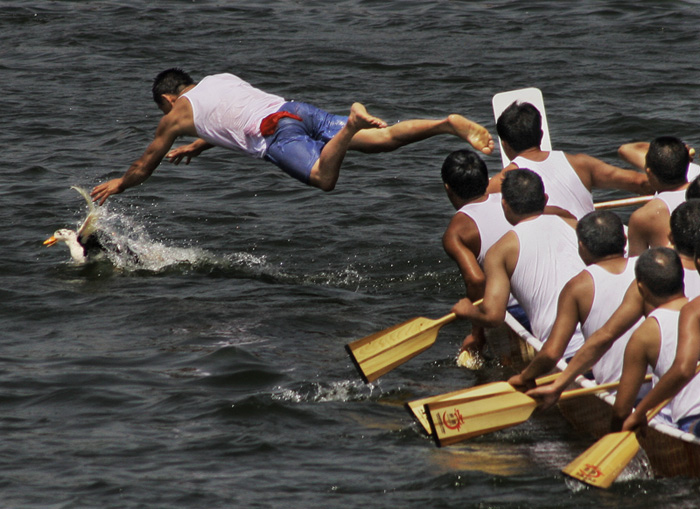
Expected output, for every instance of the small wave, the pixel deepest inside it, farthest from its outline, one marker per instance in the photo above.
(316, 392)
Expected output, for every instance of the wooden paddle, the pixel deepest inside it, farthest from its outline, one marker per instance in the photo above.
(379, 353)
(382, 351)
(417, 407)
(623, 202)
(457, 420)
(602, 462)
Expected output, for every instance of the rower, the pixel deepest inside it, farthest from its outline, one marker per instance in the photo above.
(635, 153)
(685, 234)
(589, 299)
(678, 382)
(568, 179)
(534, 260)
(660, 281)
(478, 224)
(666, 166)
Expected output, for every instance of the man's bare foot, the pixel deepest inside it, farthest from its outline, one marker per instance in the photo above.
(477, 135)
(360, 119)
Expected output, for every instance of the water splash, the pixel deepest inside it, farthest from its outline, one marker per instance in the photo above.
(130, 246)
(125, 242)
(342, 391)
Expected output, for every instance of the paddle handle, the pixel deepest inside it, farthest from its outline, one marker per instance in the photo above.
(596, 388)
(544, 380)
(624, 202)
(451, 317)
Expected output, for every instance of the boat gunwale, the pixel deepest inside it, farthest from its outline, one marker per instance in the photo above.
(656, 423)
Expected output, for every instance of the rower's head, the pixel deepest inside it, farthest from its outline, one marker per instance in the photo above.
(168, 86)
(601, 234)
(667, 162)
(685, 227)
(520, 126)
(465, 176)
(693, 190)
(659, 274)
(523, 195)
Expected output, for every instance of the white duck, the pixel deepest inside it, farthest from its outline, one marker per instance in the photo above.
(82, 243)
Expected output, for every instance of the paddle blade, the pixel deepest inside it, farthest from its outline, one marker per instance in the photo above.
(457, 420)
(382, 351)
(601, 463)
(417, 407)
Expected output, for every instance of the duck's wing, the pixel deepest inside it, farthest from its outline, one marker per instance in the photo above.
(89, 225)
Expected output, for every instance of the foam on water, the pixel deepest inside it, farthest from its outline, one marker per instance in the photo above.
(320, 392)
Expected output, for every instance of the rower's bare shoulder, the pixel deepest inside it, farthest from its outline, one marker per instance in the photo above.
(653, 210)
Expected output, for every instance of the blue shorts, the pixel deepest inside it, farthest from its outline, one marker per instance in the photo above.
(519, 314)
(690, 424)
(296, 145)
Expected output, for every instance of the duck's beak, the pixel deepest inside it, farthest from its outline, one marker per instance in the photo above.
(50, 241)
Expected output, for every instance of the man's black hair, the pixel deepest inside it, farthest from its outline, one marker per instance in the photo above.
(668, 160)
(685, 227)
(520, 125)
(465, 173)
(602, 233)
(523, 191)
(170, 81)
(661, 271)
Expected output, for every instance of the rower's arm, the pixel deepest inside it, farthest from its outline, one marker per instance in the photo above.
(492, 311)
(629, 312)
(634, 153)
(682, 370)
(460, 241)
(639, 353)
(496, 181)
(569, 314)
(602, 175)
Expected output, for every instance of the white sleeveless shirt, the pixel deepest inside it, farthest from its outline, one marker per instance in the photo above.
(547, 260)
(687, 401)
(672, 199)
(608, 292)
(228, 111)
(561, 183)
(492, 225)
(490, 221)
(691, 281)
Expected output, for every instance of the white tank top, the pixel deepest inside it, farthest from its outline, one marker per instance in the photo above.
(228, 111)
(490, 221)
(547, 260)
(693, 171)
(608, 292)
(687, 401)
(672, 199)
(561, 183)
(691, 280)
(492, 225)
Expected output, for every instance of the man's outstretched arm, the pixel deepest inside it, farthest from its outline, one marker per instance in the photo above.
(144, 166)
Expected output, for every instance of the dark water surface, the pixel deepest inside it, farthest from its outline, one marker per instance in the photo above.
(213, 374)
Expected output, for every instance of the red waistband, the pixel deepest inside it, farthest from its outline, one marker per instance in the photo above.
(268, 125)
